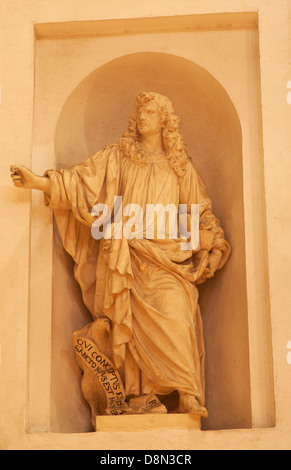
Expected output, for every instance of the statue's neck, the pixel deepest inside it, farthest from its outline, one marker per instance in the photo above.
(152, 144)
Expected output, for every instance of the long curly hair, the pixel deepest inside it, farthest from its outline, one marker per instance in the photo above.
(176, 150)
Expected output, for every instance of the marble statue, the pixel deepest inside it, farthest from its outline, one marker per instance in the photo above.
(146, 337)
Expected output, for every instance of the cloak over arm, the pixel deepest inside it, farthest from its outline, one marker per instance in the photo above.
(79, 188)
(73, 194)
(211, 234)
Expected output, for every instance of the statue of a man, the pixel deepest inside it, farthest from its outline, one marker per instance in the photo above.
(144, 288)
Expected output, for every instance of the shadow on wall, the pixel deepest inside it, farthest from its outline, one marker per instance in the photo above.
(96, 114)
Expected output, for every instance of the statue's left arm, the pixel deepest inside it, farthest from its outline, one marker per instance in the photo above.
(211, 234)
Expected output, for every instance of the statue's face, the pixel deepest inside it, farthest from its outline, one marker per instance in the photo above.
(149, 119)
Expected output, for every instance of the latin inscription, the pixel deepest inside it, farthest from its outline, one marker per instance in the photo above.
(104, 369)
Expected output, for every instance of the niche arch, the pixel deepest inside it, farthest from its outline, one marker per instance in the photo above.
(96, 114)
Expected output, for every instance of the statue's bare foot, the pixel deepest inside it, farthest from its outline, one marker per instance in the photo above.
(189, 404)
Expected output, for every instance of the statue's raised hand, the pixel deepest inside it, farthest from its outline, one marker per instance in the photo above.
(22, 177)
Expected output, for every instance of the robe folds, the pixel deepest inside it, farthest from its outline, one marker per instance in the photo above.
(145, 286)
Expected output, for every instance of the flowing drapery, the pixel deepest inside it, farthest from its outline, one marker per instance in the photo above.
(146, 287)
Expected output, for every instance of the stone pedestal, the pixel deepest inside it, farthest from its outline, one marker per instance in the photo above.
(147, 422)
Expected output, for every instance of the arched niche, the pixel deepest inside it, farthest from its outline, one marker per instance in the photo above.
(96, 114)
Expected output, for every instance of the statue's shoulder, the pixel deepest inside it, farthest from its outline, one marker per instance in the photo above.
(105, 152)
(111, 147)
(190, 169)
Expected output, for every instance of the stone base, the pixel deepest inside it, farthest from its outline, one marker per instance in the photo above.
(147, 422)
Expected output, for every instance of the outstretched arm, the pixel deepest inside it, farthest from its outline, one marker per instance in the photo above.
(22, 177)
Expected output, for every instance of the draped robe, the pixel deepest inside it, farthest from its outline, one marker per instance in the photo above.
(146, 287)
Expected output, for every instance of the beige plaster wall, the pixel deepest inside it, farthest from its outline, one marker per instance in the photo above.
(17, 44)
